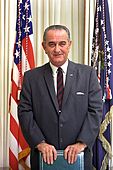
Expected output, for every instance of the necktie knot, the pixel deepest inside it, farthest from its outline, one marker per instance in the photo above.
(59, 69)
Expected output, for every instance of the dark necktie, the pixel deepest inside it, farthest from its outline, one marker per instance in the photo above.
(60, 87)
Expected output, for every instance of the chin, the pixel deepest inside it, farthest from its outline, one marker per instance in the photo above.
(58, 63)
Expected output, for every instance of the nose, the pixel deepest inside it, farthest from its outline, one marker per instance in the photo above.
(57, 49)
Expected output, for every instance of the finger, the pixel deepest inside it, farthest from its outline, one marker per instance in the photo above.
(48, 155)
(73, 156)
(54, 153)
(51, 156)
(69, 155)
(66, 152)
(44, 157)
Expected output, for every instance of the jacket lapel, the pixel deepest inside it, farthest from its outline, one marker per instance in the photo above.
(70, 78)
(50, 84)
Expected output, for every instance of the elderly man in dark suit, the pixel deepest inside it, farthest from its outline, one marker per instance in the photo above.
(71, 124)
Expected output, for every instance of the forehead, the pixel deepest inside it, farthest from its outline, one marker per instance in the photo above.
(56, 35)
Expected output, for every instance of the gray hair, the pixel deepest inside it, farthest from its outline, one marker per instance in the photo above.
(56, 27)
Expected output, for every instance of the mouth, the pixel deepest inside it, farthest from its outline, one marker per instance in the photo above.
(57, 55)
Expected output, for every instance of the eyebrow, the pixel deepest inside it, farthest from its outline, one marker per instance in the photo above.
(56, 42)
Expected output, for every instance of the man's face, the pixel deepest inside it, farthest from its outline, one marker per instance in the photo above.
(57, 46)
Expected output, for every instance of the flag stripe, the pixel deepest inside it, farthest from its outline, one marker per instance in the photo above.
(15, 75)
(14, 145)
(22, 142)
(13, 161)
(29, 55)
(14, 127)
(25, 63)
(13, 110)
(14, 93)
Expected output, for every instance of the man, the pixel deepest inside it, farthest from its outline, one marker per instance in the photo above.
(73, 124)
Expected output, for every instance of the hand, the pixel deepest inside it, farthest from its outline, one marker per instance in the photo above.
(71, 152)
(49, 152)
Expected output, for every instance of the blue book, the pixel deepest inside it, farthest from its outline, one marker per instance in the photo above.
(62, 164)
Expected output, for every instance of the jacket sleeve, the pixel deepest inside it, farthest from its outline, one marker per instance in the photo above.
(30, 129)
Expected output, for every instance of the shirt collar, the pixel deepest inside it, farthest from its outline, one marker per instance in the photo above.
(64, 67)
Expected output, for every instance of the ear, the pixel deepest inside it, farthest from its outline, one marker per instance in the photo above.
(43, 45)
(70, 43)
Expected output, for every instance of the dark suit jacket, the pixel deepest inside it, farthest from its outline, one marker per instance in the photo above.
(81, 109)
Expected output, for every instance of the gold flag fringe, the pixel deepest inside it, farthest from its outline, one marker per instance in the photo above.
(106, 145)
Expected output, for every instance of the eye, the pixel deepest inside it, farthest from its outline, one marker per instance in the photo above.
(62, 43)
(51, 44)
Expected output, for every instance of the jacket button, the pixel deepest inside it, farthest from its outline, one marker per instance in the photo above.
(61, 140)
(61, 125)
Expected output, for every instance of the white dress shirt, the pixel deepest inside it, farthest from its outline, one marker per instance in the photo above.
(54, 70)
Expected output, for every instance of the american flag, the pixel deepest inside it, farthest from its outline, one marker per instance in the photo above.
(23, 61)
(102, 61)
